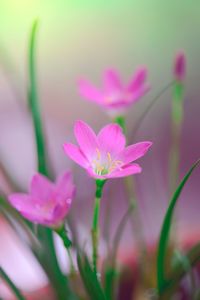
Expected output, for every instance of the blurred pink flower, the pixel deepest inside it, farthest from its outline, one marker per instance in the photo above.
(116, 97)
(104, 155)
(47, 203)
(180, 66)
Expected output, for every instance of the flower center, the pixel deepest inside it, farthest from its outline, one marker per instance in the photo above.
(45, 208)
(112, 97)
(123, 96)
(105, 165)
(109, 100)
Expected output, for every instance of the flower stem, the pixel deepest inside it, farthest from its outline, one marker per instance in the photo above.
(62, 232)
(177, 121)
(120, 120)
(149, 107)
(12, 286)
(95, 223)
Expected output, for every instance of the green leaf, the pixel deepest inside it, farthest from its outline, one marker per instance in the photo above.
(162, 281)
(34, 102)
(175, 276)
(47, 257)
(110, 276)
(89, 278)
(11, 285)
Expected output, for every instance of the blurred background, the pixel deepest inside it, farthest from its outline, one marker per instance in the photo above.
(83, 38)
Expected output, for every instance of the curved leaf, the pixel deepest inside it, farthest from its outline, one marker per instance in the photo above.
(193, 257)
(90, 280)
(164, 235)
(33, 102)
(48, 257)
(11, 285)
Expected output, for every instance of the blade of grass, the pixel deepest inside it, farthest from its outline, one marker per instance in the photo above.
(34, 103)
(11, 285)
(180, 258)
(165, 230)
(45, 234)
(89, 278)
(175, 276)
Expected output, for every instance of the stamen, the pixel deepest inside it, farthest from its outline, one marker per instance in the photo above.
(103, 167)
(109, 158)
(98, 154)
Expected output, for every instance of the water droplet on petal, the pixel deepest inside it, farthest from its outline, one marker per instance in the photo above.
(69, 201)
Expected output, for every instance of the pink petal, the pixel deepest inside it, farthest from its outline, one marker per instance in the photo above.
(118, 105)
(112, 81)
(130, 97)
(36, 218)
(134, 152)
(65, 186)
(140, 92)
(138, 80)
(41, 188)
(88, 91)
(86, 139)
(28, 207)
(60, 211)
(126, 171)
(75, 154)
(21, 202)
(111, 139)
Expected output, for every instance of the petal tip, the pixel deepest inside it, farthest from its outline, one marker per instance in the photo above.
(80, 124)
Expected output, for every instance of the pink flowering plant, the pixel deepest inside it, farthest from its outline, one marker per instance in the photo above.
(45, 209)
(115, 97)
(104, 155)
(47, 203)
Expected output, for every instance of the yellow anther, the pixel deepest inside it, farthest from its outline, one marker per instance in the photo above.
(109, 158)
(105, 166)
(98, 154)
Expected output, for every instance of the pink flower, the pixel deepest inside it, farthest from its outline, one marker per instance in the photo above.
(105, 155)
(47, 203)
(180, 66)
(115, 97)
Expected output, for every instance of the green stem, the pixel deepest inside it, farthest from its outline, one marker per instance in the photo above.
(120, 120)
(95, 223)
(12, 286)
(148, 108)
(67, 243)
(177, 121)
